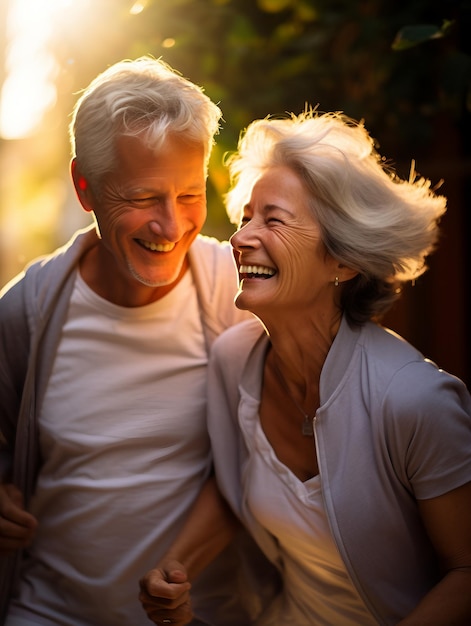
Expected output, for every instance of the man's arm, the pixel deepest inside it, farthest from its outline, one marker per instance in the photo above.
(209, 528)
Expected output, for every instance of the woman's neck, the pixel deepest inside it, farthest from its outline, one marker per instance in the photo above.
(300, 346)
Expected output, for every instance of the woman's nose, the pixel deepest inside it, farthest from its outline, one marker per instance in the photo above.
(243, 237)
(233, 240)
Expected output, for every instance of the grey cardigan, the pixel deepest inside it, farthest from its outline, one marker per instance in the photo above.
(33, 307)
(391, 428)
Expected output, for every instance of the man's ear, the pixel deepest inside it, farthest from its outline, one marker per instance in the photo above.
(82, 187)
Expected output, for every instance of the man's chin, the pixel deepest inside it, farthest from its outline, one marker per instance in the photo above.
(163, 279)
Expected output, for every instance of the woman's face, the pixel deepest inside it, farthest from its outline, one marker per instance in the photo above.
(282, 261)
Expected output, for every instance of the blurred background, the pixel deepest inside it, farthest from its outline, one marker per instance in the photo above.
(402, 67)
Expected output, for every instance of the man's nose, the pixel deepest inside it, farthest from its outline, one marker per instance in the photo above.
(167, 223)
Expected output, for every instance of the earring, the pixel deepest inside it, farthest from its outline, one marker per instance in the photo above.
(336, 281)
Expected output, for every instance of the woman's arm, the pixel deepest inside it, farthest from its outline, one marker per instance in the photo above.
(447, 520)
(209, 528)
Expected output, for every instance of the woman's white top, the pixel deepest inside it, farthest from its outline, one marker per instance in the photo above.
(317, 588)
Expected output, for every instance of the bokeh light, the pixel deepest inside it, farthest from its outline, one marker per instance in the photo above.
(253, 58)
(29, 87)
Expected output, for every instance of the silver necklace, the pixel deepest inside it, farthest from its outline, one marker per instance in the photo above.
(307, 428)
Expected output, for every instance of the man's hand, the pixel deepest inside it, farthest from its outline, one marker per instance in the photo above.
(17, 526)
(165, 594)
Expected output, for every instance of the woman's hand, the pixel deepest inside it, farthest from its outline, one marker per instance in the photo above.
(209, 528)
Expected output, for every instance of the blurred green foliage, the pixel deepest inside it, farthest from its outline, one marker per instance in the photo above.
(411, 36)
(260, 57)
(404, 67)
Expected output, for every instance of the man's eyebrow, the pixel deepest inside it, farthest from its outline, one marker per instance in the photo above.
(154, 190)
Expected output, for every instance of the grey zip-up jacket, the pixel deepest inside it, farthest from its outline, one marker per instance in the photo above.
(33, 307)
(391, 429)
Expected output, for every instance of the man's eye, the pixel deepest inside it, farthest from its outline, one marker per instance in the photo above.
(141, 200)
(191, 198)
(244, 221)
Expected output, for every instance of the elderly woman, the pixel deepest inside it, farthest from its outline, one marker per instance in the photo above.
(345, 452)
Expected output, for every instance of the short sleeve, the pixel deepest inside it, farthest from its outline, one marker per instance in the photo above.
(428, 422)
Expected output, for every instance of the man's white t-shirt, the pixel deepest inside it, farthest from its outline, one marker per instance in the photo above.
(125, 452)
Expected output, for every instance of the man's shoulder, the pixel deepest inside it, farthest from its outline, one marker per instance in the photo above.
(211, 248)
(44, 276)
(48, 263)
(216, 281)
(212, 261)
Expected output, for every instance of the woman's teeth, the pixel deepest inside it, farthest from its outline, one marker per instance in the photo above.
(256, 270)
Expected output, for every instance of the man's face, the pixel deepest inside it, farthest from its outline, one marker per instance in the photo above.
(149, 211)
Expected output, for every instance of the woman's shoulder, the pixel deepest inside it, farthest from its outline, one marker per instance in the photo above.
(395, 356)
(236, 346)
(239, 338)
(408, 383)
(385, 341)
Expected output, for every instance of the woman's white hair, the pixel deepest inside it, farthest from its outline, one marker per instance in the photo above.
(370, 219)
(143, 97)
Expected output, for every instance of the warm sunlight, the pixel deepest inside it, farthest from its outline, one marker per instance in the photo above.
(28, 90)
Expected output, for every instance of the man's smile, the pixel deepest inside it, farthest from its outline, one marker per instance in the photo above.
(156, 247)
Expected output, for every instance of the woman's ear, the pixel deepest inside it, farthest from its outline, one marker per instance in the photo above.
(346, 273)
(81, 185)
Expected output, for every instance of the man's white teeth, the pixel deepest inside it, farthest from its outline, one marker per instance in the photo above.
(256, 269)
(158, 247)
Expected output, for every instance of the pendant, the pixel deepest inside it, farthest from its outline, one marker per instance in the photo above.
(307, 429)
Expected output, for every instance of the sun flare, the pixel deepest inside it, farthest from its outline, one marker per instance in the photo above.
(29, 90)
